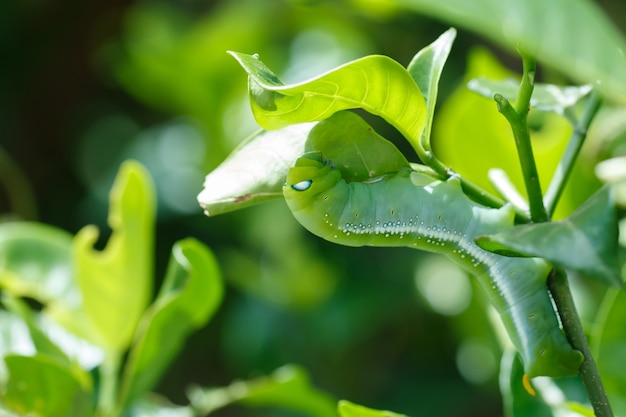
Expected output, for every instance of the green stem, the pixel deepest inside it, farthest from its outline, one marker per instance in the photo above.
(562, 296)
(518, 119)
(563, 171)
(107, 395)
(475, 192)
(557, 281)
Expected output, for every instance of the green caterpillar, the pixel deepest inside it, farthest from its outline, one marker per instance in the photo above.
(394, 209)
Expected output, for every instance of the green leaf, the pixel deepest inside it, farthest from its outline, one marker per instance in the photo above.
(14, 336)
(190, 294)
(473, 149)
(426, 68)
(288, 387)
(586, 242)
(573, 36)
(41, 342)
(116, 282)
(348, 409)
(608, 345)
(546, 97)
(43, 387)
(255, 171)
(374, 83)
(35, 262)
(363, 153)
(154, 405)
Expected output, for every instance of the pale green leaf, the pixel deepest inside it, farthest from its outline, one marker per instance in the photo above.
(35, 261)
(585, 242)
(473, 149)
(348, 409)
(255, 171)
(116, 283)
(154, 405)
(288, 387)
(363, 153)
(546, 97)
(40, 340)
(374, 83)
(573, 36)
(43, 387)
(426, 68)
(190, 294)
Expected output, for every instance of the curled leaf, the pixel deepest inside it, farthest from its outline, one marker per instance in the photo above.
(375, 83)
(116, 283)
(255, 171)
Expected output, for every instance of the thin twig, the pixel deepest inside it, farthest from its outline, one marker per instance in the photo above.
(564, 169)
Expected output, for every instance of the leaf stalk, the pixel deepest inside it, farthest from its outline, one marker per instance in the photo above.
(566, 165)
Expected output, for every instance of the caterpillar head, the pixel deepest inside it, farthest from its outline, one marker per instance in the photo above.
(311, 176)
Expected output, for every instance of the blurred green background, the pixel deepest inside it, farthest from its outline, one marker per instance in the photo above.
(86, 85)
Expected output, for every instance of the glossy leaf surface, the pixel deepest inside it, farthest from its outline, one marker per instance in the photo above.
(573, 36)
(586, 242)
(426, 68)
(374, 83)
(255, 171)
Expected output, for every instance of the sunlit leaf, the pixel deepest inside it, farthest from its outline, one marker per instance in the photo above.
(374, 83)
(41, 342)
(426, 68)
(473, 149)
(585, 242)
(546, 97)
(363, 153)
(190, 294)
(14, 336)
(348, 409)
(42, 386)
(153, 405)
(35, 261)
(254, 172)
(116, 282)
(573, 36)
(288, 387)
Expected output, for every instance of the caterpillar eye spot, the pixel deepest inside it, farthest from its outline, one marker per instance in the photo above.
(302, 185)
